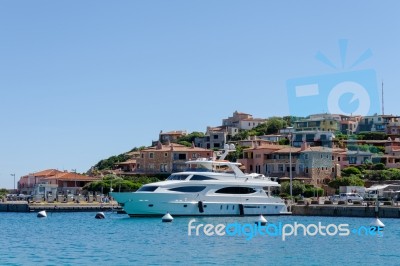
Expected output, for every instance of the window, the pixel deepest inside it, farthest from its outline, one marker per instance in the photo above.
(352, 160)
(216, 145)
(188, 189)
(151, 155)
(147, 188)
(194, 156)
(306, 156)
(142, 155)
(163, 167)
(280, 168)
(177, 177)
(166, 154)
(201, 177)
(236, 190)
(179, 156)
(215, 136)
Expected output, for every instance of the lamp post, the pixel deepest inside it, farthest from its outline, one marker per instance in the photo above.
(290, 166)
(290, 171)
(14, 180)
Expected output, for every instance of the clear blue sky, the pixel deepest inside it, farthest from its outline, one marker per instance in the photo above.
(83, 80)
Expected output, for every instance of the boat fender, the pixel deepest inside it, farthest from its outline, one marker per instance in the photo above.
(201, 207)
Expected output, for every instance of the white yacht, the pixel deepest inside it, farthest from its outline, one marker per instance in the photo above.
(207, 188)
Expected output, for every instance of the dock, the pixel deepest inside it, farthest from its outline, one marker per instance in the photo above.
(23, 206)
(345, 211)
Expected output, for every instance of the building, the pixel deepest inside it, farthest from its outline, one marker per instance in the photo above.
(313, 138)
(311, 165)
(254, 157)
(377, 123)
(349, 124)
(170, 136)
(128, 167)
(393, 128)
(216, 137)
(62, 180)
(318, 124)
(165, 159)
(351, 158)
(242, 121)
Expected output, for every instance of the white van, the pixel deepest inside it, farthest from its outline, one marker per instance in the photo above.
(350, 197)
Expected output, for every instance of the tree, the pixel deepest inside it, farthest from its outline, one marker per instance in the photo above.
(348, 171)
(379, 166)
(3, 192)
(111, 161)
(274, 124)
(298, 188)
(352, 180)
(191, 137)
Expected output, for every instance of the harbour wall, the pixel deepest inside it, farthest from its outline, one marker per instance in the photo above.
(75, 207)
(346, 211)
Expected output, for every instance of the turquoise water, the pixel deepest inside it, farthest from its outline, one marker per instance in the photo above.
(80, 239)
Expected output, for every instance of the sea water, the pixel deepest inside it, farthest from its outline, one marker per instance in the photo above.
(80, 239)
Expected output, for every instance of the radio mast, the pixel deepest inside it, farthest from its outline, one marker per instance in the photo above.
(383, 102)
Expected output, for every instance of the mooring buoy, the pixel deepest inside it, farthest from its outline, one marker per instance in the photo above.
(100, 215)
(42, 214)
(261, 220)
(167, 218)
(377, 225)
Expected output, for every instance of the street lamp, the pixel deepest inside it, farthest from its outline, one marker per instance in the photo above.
(290, 136)
(290, 166)
(14, 180)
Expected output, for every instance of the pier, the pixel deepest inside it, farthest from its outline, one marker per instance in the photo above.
(346, 210)
(23, 206)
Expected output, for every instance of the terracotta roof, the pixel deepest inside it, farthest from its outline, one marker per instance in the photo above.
(127, 162)
(132, 153)
(266, 146)
(44, 173)
(323, 149)
(175, 132)
(176, 147)
(65, 176)
(288, 150)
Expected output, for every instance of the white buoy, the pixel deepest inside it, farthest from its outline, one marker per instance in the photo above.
(100, 215)
(167, 218)
(42, 214)
(377, 225)
(261, 220)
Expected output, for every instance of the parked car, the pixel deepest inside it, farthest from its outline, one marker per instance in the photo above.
(350, 197)
(334, 198)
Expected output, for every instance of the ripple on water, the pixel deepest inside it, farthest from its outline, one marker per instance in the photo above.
(78, 238)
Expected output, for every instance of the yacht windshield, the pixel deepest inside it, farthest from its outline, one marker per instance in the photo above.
(147, 188)
(201, 177)
(177, 177)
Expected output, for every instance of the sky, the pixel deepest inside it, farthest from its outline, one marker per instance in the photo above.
(84, 80)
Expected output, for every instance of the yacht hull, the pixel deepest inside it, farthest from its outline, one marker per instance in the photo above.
(157, 204)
